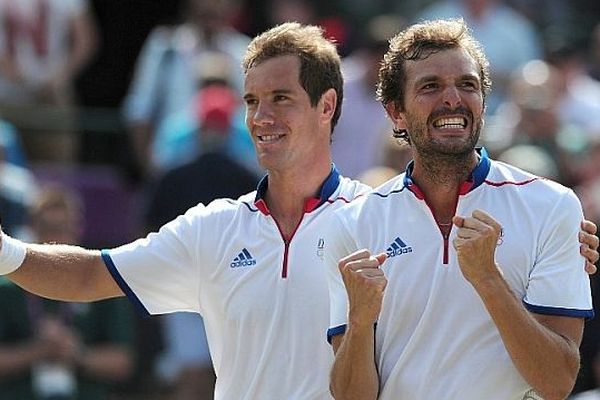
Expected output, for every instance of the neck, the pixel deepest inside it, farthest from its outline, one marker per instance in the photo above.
(288, 191)
(439, 178)
(446, 172)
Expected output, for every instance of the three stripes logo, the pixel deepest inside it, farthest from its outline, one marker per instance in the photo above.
(244, 259)
(397, 248)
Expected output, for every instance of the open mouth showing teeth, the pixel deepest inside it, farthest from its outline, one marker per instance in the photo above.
(269, 138)
(451, 123)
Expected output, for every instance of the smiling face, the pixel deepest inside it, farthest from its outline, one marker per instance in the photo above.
(443, 104)
(287, 131)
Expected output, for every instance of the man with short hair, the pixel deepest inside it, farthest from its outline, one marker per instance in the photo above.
(482, 295)
(253, 266)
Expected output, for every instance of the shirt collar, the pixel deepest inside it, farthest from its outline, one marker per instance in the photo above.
(327, 189)
(476, 178)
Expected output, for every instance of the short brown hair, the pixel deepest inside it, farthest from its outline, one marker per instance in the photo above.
(319, 60)
(418, 42)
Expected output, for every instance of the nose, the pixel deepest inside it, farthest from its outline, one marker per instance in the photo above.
(260, 115)
(451, 97)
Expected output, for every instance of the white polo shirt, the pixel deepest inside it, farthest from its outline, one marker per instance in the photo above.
(434, 337)
(264, 299)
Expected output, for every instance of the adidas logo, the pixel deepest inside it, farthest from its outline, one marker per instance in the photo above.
(244, 259)
(398, 247)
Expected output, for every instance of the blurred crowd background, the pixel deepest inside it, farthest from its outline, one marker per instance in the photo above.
(118, 115)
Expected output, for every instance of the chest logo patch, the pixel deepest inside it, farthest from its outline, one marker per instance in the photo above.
(321, 248)
(244, 259)
(397, 248)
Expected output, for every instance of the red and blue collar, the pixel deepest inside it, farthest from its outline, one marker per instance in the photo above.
(327, 189)
(476, 178)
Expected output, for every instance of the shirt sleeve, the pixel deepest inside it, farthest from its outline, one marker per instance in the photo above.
(558, 283)
(161, 273)
(338, 244)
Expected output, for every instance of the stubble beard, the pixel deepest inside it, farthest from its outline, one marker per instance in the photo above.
(442, 161)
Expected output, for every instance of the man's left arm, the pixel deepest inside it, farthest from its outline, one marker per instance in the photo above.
(544, 348)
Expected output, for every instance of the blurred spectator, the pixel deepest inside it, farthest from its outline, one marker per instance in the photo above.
(177, 140)
(509, 39)
(11, 145)
(214, 173)
(363, 128)
(302, 11)
(580, 100)
(555, 108)
(530, 118)
(165, 76)
(531, 158)
(59, 351)
(44, 44)
(327, 15)
(17, 184)
(553, 16)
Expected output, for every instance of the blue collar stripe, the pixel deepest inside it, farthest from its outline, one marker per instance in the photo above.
(329, 186)
(477, 177)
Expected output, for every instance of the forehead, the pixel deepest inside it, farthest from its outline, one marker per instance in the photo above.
(277, 73)
(445, 64)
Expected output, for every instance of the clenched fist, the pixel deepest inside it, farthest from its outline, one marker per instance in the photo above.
(365, 284)
(475, 245)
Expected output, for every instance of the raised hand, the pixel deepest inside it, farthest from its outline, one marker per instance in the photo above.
(475, 245)
(365, 284)
(589, 245)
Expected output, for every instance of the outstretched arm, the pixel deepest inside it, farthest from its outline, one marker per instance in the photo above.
(59, 272)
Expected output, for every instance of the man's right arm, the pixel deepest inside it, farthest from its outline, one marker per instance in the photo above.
(354, 373)
(62, 272)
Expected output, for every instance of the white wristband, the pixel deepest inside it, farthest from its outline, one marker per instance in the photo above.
(12, 254)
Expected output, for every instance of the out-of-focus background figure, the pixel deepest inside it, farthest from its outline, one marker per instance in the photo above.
(166, 70)
(44, 45)
(361, 141)
(17, 184)
(216, 100)
(61, 351)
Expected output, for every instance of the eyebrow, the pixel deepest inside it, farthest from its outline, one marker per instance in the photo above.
(273, 92)
(433, 78)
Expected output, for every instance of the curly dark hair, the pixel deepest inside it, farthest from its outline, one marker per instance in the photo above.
(418, 42)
